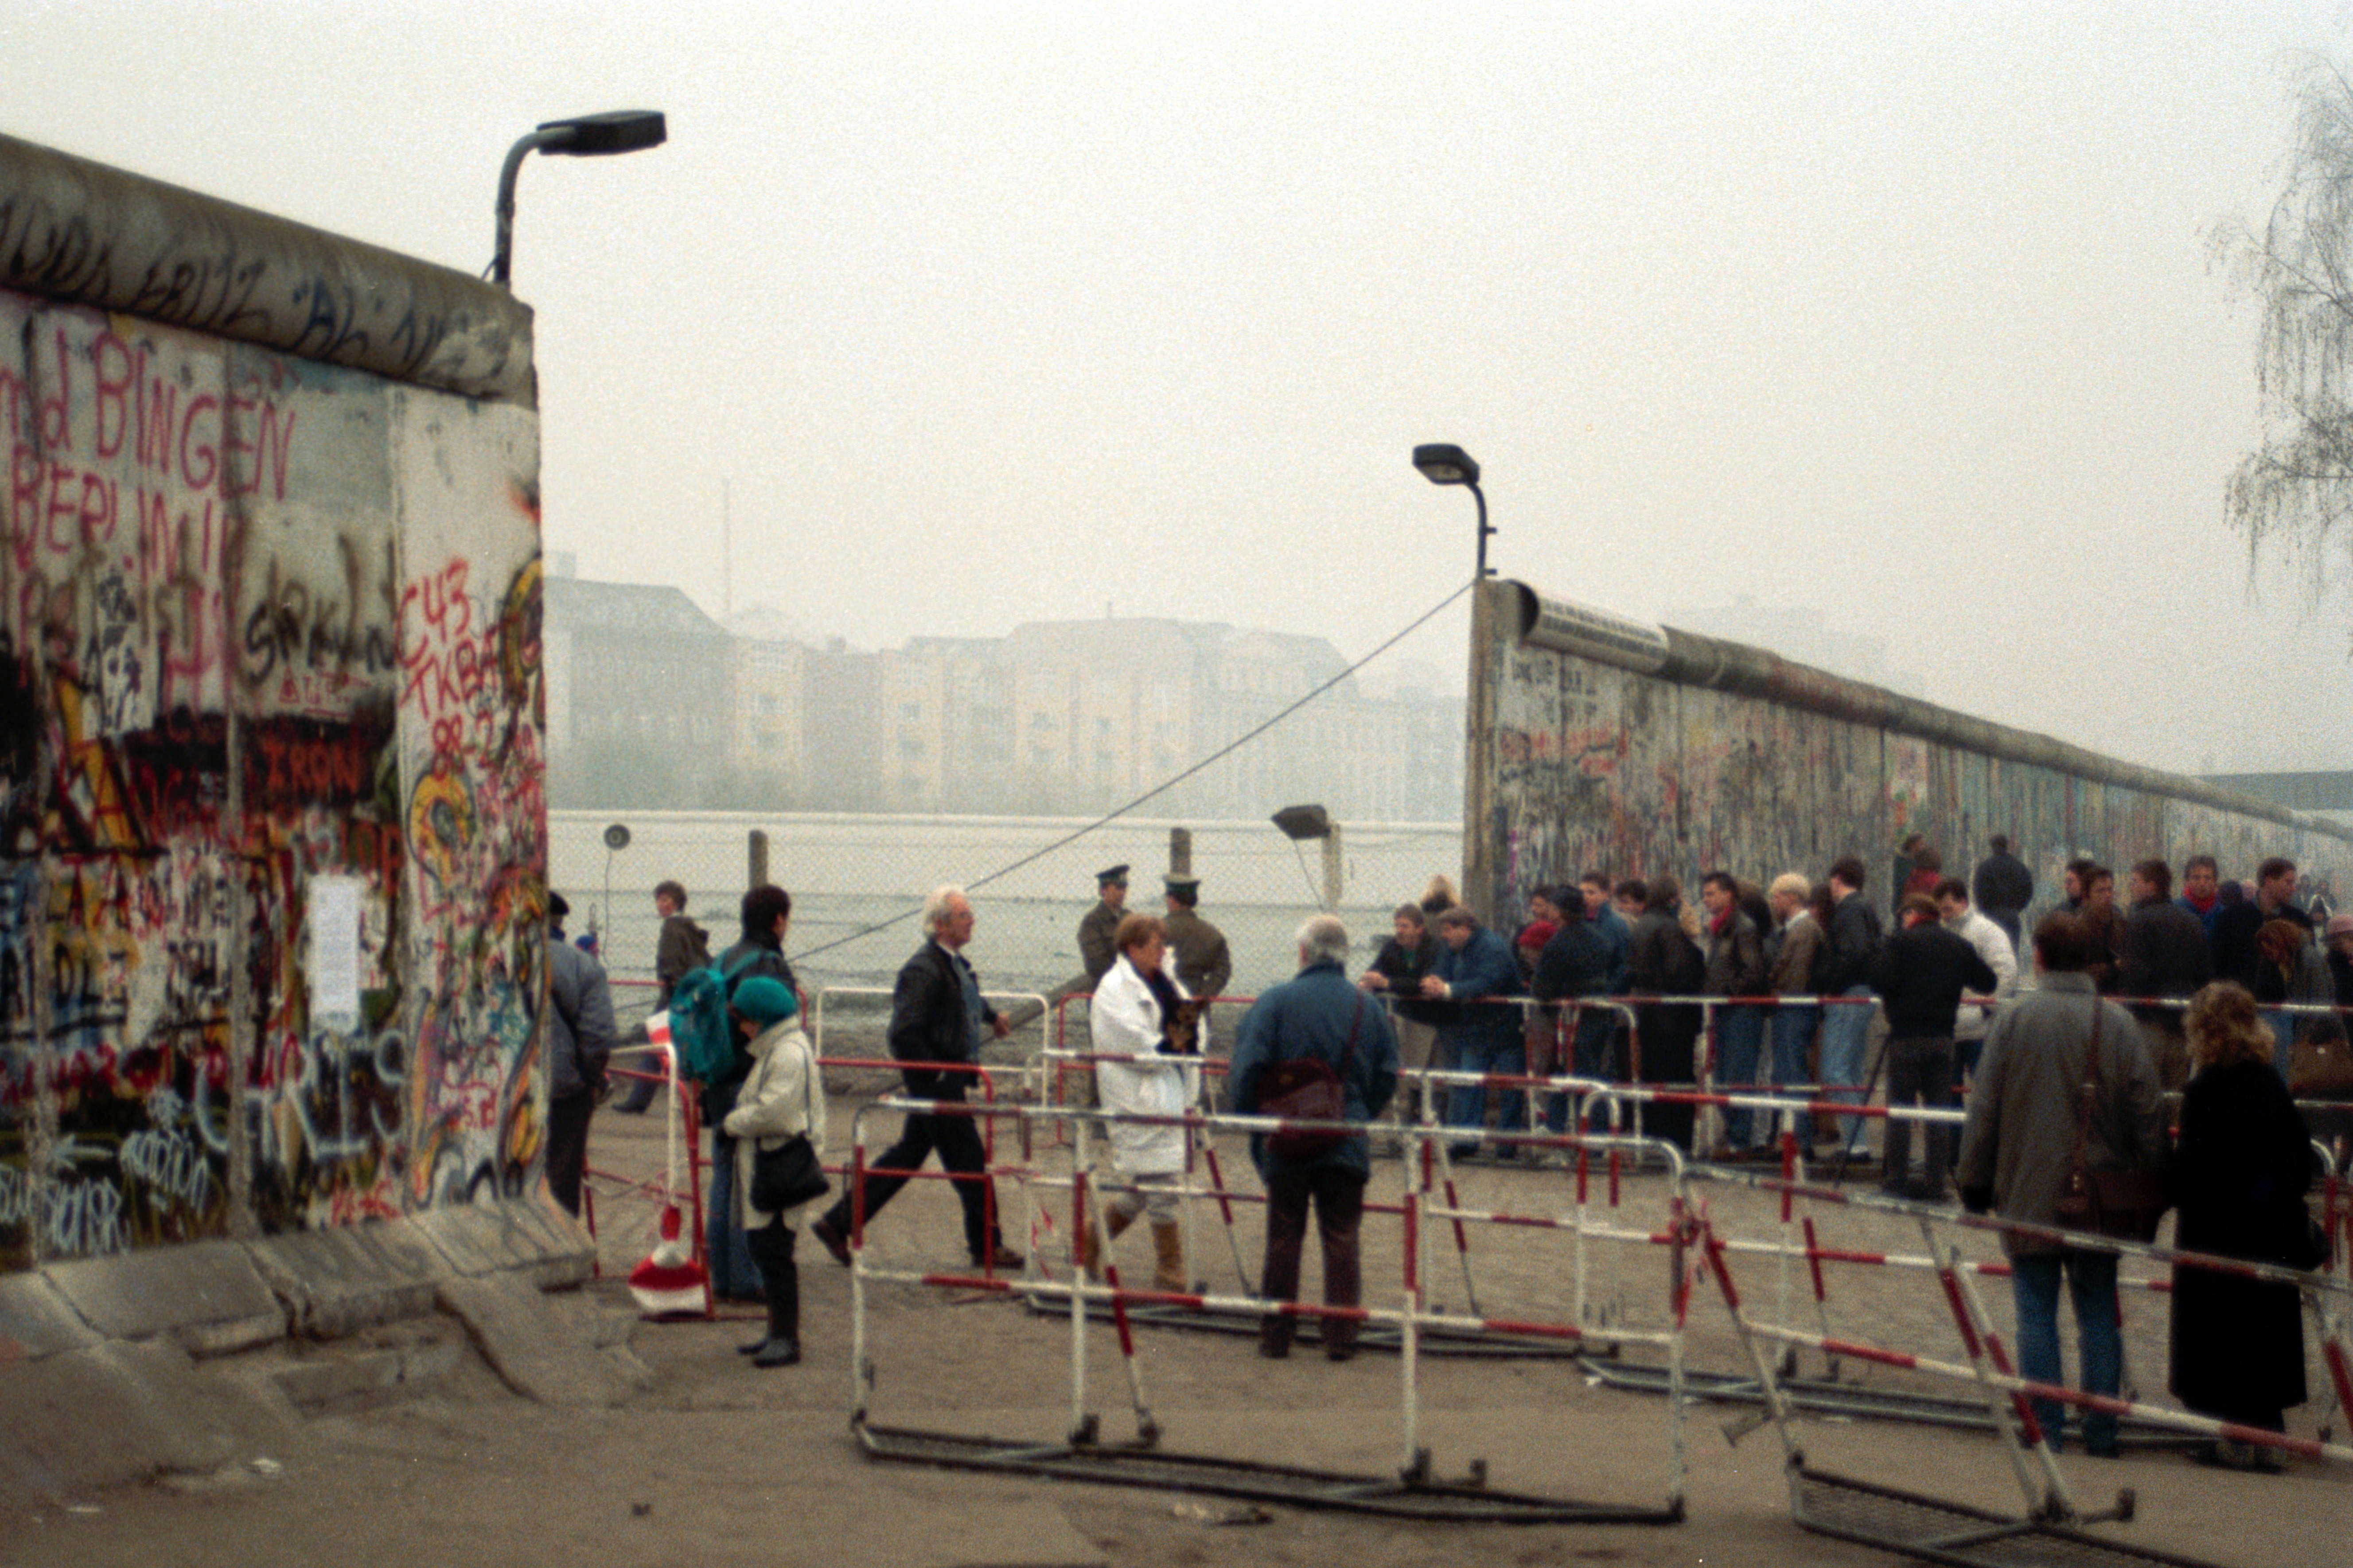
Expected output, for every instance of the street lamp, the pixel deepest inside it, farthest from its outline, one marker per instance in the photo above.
(590, 136)
(1446, 465)
(1302, 823)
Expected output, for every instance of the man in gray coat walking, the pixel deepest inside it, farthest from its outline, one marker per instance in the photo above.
(2019, 1143)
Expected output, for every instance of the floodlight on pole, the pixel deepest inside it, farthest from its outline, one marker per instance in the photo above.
(1442, 464)
(1302, 823)
(588, 136)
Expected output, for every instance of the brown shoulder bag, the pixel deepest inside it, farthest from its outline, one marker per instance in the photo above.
(2123, 1205)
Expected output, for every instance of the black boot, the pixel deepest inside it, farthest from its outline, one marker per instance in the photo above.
(781, 1279)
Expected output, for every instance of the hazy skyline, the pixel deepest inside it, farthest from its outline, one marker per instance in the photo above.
(984, 315)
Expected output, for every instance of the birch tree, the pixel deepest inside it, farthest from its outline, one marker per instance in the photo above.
(2293, 496)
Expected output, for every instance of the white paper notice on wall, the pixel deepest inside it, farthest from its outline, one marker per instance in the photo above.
(335, 903)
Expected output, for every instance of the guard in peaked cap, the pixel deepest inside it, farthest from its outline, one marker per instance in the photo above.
(1203, 964)
(1097, 946)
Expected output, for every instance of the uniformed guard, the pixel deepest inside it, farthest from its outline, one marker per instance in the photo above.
(1203, 964)
(1097, 951)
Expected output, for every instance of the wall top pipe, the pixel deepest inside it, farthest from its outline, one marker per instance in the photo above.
(1690, 659)
(82, 232)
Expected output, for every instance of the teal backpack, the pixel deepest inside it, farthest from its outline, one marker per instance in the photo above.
(698, 1021)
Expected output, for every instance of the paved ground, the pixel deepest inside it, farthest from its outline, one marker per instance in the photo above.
(716, 1463)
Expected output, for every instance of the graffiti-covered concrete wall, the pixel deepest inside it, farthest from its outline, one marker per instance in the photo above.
(1601, 743)
(271, 831)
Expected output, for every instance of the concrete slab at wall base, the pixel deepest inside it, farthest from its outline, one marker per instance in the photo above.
(529, 1237)
(121, 1411)
(207, 1295)
(335, 1282)
(215, 1297)
(535, 1346)
(35, 1321)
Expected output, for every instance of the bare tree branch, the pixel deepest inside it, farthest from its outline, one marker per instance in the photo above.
(2293, 495)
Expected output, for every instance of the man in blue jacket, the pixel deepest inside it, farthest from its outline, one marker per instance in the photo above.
(1317, 1014)
(1475, 970)
(1852, 944)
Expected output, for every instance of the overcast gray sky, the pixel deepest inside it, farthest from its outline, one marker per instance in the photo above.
(994, 313)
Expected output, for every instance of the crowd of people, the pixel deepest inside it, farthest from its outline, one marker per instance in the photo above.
(2063, 1082)
(2058, 1077)
(1807, 974)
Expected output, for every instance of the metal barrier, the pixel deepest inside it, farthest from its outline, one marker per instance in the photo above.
(1939, 1531)
(1081, 1454)
(2047, 1528)
(681, 1113)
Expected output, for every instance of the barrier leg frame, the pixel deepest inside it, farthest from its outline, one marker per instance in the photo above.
(1913, 1525)
(1403, 1496)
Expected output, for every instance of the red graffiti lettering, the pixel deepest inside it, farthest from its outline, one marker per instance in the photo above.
(115, 371)
(56, 424)
(158, 397)
(266, 454)
(296, 769)
(24, 500)
(199, 405)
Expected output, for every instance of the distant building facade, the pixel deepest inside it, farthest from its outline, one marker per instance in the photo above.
(651, 702)
(640, 691)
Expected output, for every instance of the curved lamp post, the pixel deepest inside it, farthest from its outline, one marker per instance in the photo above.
(590, 136)
(1441, 464)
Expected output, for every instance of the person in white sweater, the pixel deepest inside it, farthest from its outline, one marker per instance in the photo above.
(783, 1098)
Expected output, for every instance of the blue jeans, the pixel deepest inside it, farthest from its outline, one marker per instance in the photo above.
(1793, 1033)
(1466, 1107)
(2283, 1039)
(1846, 1036)
(2034, 1292)
(1739, 1041)
(733, 1272)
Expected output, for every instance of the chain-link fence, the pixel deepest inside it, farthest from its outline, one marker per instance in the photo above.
(849, 874)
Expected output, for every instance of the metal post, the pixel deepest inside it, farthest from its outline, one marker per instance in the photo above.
(757, 853)
(1180, 851)
(1332, 874)
(1409, 1331)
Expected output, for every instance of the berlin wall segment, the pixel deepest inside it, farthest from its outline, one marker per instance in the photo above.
(266, 624)
(1598, 742)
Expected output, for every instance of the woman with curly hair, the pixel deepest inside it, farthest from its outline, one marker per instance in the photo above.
(2238, 1176)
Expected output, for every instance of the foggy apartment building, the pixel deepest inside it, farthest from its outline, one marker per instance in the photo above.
(639, 688)
(1063, 716)
(651, 704)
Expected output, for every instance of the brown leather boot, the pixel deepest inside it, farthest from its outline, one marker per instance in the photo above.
(1091, 1256)
(1168, 1245)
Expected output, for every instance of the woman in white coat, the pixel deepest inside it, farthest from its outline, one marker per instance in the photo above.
(1138, 1071)
(783, 1096)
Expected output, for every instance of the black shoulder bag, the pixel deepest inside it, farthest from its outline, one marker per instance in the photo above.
(789, 1174)
(1306, 1089)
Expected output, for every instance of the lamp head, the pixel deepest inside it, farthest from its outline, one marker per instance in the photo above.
(616, 131)
(1303, 822)
(1442, 464)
